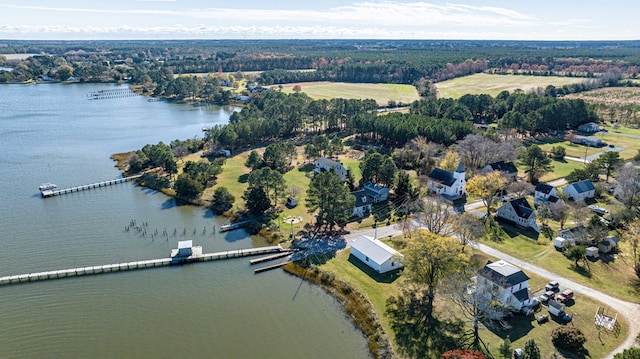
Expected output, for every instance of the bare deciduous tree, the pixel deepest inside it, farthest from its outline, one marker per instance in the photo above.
(628, 189)
(436, 216)
(468, 228)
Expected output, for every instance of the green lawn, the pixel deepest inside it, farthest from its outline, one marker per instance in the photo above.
(560, 170)
(381, 93)
(234, 177)
(494, 84)
(523, 328)
(543, 253)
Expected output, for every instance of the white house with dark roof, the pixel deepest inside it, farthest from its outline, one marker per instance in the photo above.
(578, 191)
(377, 192)
(324, 164)
(519, 212)
(448, 184)
(508, 169)
(377, 255)
(503, 282)
(544, 193)
(363, 203)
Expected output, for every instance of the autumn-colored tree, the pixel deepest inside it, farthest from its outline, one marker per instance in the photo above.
(450, 161)
(487, 187)
(463, 354)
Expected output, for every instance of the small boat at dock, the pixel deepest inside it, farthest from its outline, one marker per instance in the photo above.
(47, 187)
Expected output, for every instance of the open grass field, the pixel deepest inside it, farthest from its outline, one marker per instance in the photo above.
(494, 84)
(610, 95)
(560, 169)
(523, 328)
(381, 93)
(541, 252)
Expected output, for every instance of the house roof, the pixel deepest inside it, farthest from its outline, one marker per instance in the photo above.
(522, 207)
(503, 273)
(522, 294)
(553, 199)
(503, 166)
(374, 249)
(445, 177)
(373, 188)
(327, 162)
(583, 186)
(543, 188)
(362, 199)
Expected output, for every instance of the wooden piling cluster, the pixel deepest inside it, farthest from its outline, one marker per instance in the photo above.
(144, 264)
(51, 193)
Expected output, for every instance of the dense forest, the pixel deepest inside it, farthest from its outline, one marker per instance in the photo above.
(154, 64)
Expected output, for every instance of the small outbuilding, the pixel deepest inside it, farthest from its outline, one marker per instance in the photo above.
(562, 243)
(556, 308)
(592, 252)
(184, 249)
(377, 255)
(291, 202)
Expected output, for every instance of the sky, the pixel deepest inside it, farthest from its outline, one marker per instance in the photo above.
(320, 19)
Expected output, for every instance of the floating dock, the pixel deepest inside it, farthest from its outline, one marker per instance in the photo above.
(195, 255)
(51, 193)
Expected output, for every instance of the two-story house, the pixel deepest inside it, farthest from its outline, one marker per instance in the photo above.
(519, 212)
(580, 191)
(544, 193)
(504, 283)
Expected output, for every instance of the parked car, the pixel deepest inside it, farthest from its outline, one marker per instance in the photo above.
(547, 296)
(543, 318)
(552, 286)
(599, 210)
(565, 296)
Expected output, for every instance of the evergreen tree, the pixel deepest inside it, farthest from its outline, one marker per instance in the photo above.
(256, 200)
(331, 198)
(535, 162)
(222, 200)
(531, 350)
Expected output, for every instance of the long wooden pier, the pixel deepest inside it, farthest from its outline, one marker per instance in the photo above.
(197, 256)
(111, 93)
(51, 193)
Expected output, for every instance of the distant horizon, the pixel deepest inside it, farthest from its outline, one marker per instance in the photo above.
(309, 39)
(477, 20)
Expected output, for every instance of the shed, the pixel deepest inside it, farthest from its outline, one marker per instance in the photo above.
(291, 202)
(562, 243)
(606, 246)
(377, 255)
(592, 252)
(556, 308)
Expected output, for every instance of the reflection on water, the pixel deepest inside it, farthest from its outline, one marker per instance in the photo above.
(52, 133)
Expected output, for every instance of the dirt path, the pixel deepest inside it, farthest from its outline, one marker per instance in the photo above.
(630, 311)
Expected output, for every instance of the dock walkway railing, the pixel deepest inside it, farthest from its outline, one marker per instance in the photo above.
(151, 263)
(51, 193)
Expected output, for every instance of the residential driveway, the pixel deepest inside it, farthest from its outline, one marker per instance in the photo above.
(630, 311)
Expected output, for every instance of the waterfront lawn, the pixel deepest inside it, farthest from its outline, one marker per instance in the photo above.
(523, 328)
(234, 177)
(541, 252)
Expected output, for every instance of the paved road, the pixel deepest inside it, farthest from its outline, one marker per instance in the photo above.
(630, 311)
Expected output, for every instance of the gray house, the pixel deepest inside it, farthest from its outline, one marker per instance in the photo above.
(591, 141)
(590, 127)
(519, 212)
(324, 164)
(377, 192)
(363, 203)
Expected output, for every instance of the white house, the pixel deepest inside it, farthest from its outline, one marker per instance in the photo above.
(507, 168)
(377, 255)
(505, 283)
(591, 141)
(363, 203)
(377, 192)
(519, 212)
(324, 164)
(452, 185)
(576, 235)
(590, 127)
(580, 190)
(544, 193)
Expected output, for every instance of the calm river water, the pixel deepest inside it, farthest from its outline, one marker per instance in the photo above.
(52, 133)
